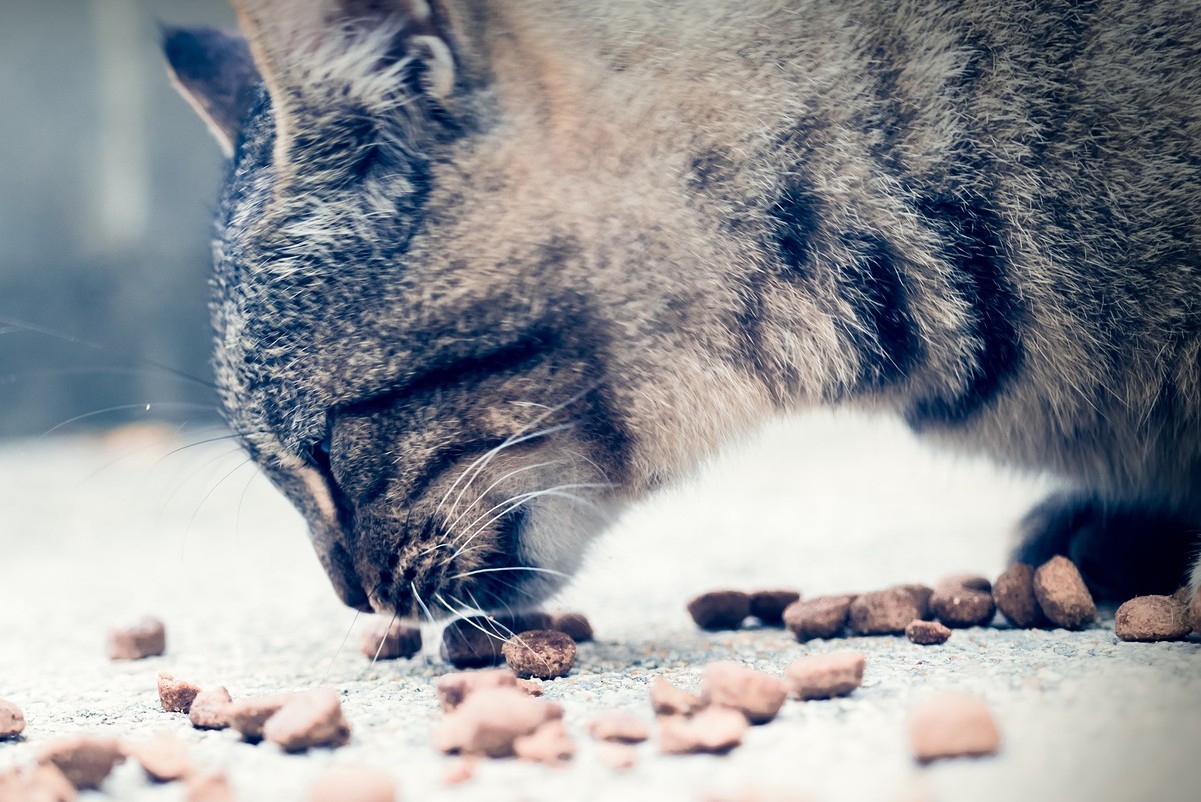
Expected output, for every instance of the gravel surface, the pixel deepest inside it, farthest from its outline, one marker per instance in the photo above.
(99, 531)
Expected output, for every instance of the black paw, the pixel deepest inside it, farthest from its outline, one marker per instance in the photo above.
(1122, 550)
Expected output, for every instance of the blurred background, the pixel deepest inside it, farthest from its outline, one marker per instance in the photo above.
(107, 185)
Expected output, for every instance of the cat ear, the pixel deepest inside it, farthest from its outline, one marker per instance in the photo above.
(214, 72)
(356, 48)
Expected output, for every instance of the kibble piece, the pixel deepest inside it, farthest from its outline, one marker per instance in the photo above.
(309, 719)
(46, 783)
(883, 612)
(144, 638)
(530, 687)
(549, 744)
(353, 784)
(490, 720)
(714, 730)
(460, 771)
(954, 725)
(1151, 618)
(390, 640)
(208, 709)
(452, 689)
(1013, 593)
(819, 617)
(248, 715)
(824, 676)
(12, 720)
(963, 601)
(757, 696)
(921, 597)
(212, 787)
(927, 633)
(668, 700)
(176, 695)
(84, 761)
(574, 625)
(1062, 595)
(618, 757)
(720, 609)
(769, 605)
(542, 654)
(476, 642)
(618, 726)
(164, 758)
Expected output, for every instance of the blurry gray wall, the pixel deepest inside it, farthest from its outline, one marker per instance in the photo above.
(107, 185)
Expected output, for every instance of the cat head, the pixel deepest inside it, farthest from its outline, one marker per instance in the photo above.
(414, 339)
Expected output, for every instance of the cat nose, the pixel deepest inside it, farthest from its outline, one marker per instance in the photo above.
(347, 584)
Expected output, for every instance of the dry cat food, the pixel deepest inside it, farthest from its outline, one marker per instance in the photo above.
(476, 641)
(618, 757)
(308, 719)
(1013, 593)
(574, 625)
(927, 633)
(248, 715)
(176, 695)
(530, 687)
(953, 725)
(1151, 618)
(44, 783)
(618, 726)
(164, 758)
(208, 709)
(543, 654)
(452, 689)
(883, 612)
(668, 700)
(720, 609)
(757, 696)
(714, 730)
(12, 720)
(922, 596)
(390, 640)
(769, 605)
(353, 784)
(490, 720)
(84, 761)
(963, 601)
(1062, 595)
(548, 744)
(212, 787)
(819, 617)
(144, 638)
(825, 676)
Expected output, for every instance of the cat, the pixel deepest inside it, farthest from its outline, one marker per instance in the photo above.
(486, 271)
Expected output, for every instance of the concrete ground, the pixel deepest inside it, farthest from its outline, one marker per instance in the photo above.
(96, 531)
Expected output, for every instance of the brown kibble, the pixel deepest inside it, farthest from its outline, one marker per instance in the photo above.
(720, 609)
(757, 696)
(927, 633)
(163, 757)
(714, 730)
(248, 716)
(1151, 618)
(12, 720)
(46, 783)
(530, 687)
(618, 757)
(144, 638)
(208, 709)
(353, 784)
(542, 654)
(824, 676)
(921, 597)
(390, 640)
(476, 641)
(819, 617)
(84, 761)
(963, 600)
(213, 787)
(1062, 595)
(883, 612)
(618, 726)
(460, 771)
(1013, 594)
(548, 744)
(668, 700)
(769, 605)
(176, 695)
(452, 689)
(308, 719)
(489, 720)
(574, 625)
(954, 725)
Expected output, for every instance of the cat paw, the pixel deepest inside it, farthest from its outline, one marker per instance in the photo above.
(1122, 550)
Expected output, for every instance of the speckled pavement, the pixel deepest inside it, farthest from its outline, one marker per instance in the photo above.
(99, 530)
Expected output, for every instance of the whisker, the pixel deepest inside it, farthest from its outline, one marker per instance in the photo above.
(523, 499)
(531, 568)
(341, 646)
(384, 638)
(122, 408)
(188, 529)
(417, 596)
(509, 475)
(481, 462)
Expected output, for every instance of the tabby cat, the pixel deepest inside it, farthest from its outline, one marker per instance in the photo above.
(488, 270)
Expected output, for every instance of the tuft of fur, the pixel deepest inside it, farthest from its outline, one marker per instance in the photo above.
(487, 271)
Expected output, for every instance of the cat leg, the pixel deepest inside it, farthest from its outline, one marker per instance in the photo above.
(1122, 549)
